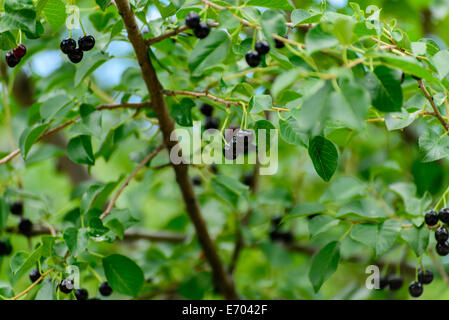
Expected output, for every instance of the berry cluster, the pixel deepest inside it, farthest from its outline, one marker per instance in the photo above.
(278, 235)
(68, 47)
(239, 142)
(391, 281)
(13, 57)
(253, 58)
(66, 286)
(441, 234)
(200, 29)
(416, 287)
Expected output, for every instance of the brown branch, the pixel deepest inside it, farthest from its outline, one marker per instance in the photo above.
(125, 106)
(35, 283)
(167, 126)
(434, 106)
(173, 33)
(200, 95)
(128, 180)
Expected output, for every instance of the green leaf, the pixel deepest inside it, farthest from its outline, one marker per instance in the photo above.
(76, 240)
(343, 29)
(228, 189)
(317, 39)
(91, 62)
(433, 146)
(305, 209)
(388, 231)
(4, 212)
(55, 14)
(320, 224)
(417, 238)
(53, 106)
(291, 133)
(298, 16)
(273, 22)
(196, 286)
(123, 274)
(273, 4)
(103, 3)
(324, 156)
(283, 81)
(440, 60)
(27, 261)
(30, 136)
(260, 103)
(366, 208)
(18, 15)
(267, 126)
(182, 112)
(343, 188)
(400, 120)
(365, 233)
(409, 65)
(324, 264)
(209, 52)
(385, 89)
(79, 150)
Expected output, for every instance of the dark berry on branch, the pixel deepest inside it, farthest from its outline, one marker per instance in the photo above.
(415, 289)
(395, 282)
(207, 109)
(35, 275)
(383, 282)
(279, 44)
(5, 248)
(441, 234)
(76, 55)
(196, 181)
(105, 289)
(25, 226)
(253, 58)
(202, 31)
(86, 43)
(425, 277)
(248, 179)
(262, 47)
(81, 294)
(442, 248)
(17, 208)
(20, 51)
(67, 45)
(444, 215)
(66, 286)
(431, 218)
(11, 59)
(211, 123)
(192, 20)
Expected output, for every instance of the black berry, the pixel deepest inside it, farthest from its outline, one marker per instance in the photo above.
(441, 234)
(66, 285)
(35, 275)
(248, 179)
(395, 282)
(76, 55)
(415, 289)
(16, 208)
(253, 58)
(276, 221)
(207, 109)
(444, 215)
(192, 20)
(11, 59)
(67, 45)
(81, 294)
(202, 30)
(262, 47)
(431, 218)
(20, 51)
(383, 282)
(279, 44)
(86, 43)
(196, 181)
(425, 277)
(5, 248)
(211, 123)
(442, 248)
(25, 226)
(105, 289)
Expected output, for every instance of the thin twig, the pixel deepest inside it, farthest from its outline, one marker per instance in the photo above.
(128, 180)
(434, 106)
(35, 283)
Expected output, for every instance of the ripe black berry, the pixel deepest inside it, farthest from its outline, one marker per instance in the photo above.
(5, 248)
(67, 45)
(431, 218)
(279, 44)
(202, 30)
(211, 123)
(442, 248)
(253, 58)
(395, 282)
(444, 215)
(415, 289)
(11, 59)
(441, 234)
(35, 275)
(86, 43)
(20, 51)
(262, 47)
(248, 179)
(25, 226)
(425, 278)
(383, 282)
(66, 285)
(16, 208)
(81, 294)
(105, 289)
(276, 221)
(192, 20)
(76, 55)
(207, 109)
(196, 181)
(275, 234)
